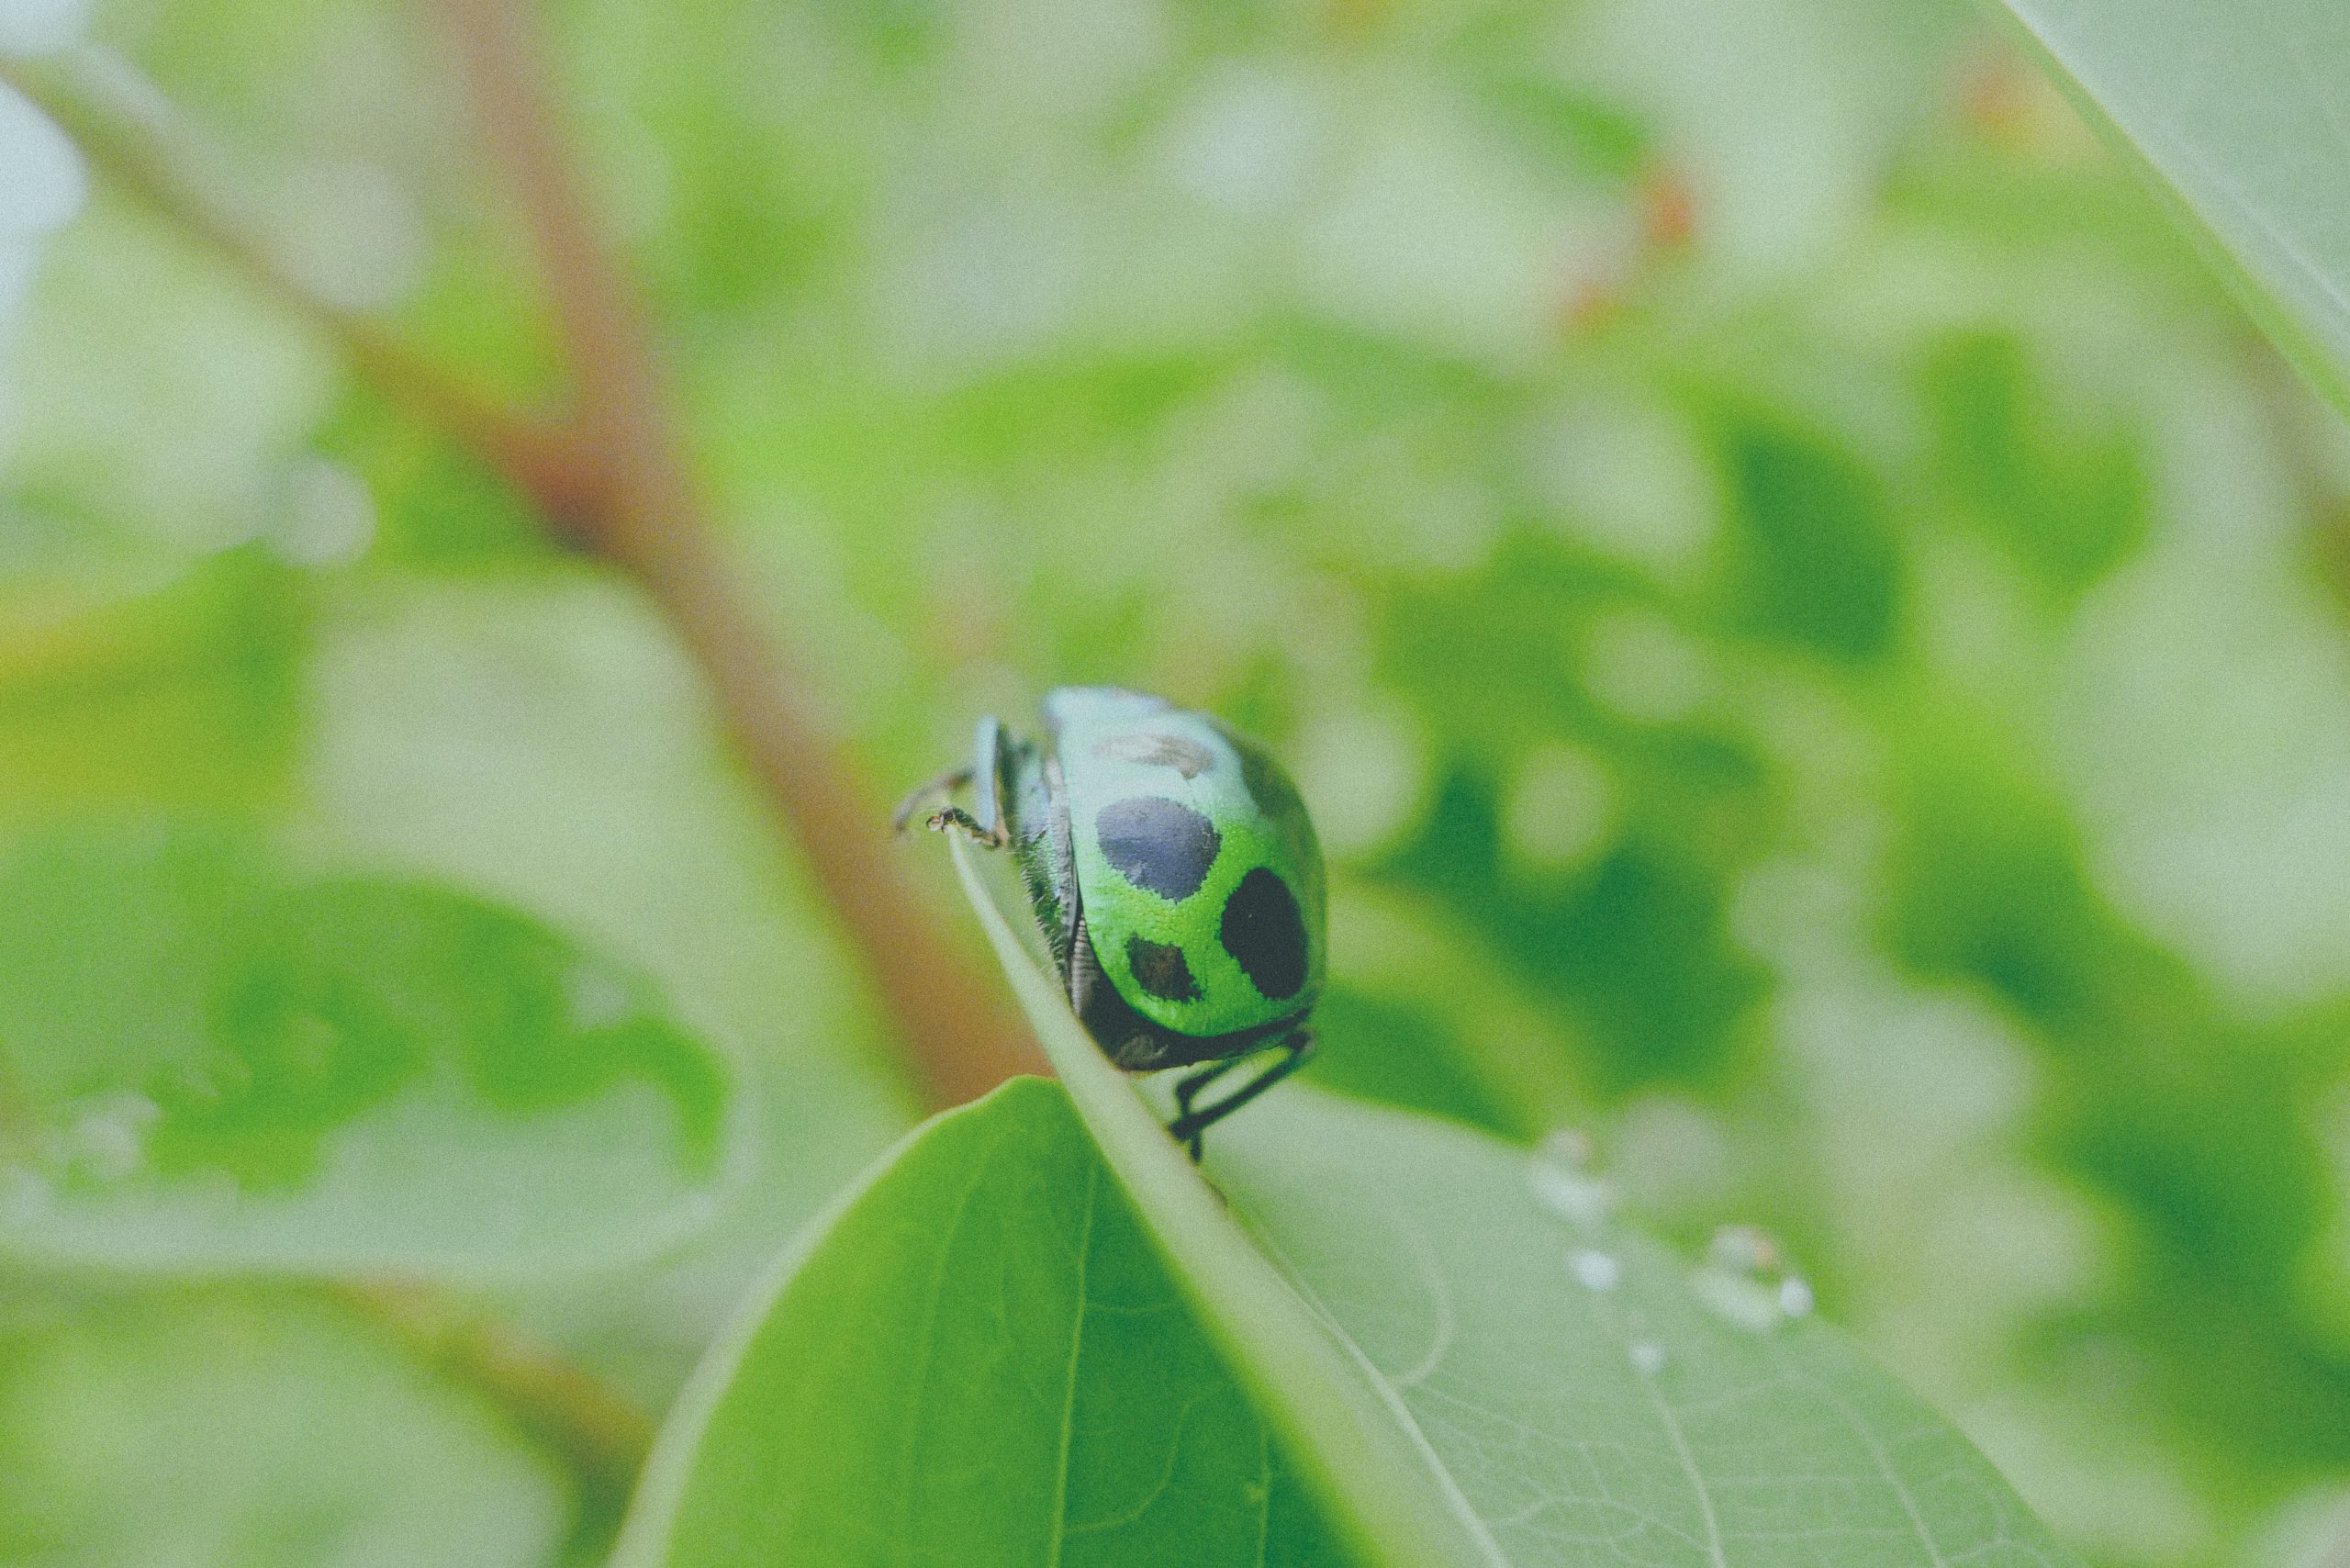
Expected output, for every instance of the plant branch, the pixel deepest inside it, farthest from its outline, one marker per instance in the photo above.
(532, 453)
(611, 481)
(601, 1436)
(651, 522)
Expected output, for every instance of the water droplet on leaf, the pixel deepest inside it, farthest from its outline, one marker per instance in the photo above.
(1562, 1181)
(1596, 1270)
(1745, 1280)
(1648, 1358)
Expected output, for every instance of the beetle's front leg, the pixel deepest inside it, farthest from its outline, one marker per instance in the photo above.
(954, 819)
(986, 825)
(946, 783)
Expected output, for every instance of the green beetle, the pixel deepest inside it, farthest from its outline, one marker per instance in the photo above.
(1175, 874)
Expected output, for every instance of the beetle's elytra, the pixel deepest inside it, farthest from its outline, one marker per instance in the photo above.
(1175, 873)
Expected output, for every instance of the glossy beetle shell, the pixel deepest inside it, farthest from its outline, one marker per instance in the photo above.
(1176, 874)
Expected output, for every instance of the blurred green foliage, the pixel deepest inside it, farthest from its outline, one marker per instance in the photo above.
(252, 1427)
(210, 1062)
(1801, 611)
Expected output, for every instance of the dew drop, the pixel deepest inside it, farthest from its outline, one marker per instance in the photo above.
(1648, 1358)
(1596, 1270)
(1742, 1248)
(1562, 1181)
(1745, 1280)
(1736, 1299)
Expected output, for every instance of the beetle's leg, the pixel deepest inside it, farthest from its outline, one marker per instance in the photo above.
(954, 819)
(985, 822)
(1188, 1126)
(1189, 1090)
(946, 783)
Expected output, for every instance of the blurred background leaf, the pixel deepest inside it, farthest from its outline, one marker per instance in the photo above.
(210, 1064)
(201, 1425)
(2230, 109)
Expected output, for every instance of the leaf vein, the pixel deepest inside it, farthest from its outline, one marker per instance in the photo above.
(1076, 1352)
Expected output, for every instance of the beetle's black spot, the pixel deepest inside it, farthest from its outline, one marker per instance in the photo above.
(1264, 931)
(1157, 845)
(1160, 969)
(1187, 757)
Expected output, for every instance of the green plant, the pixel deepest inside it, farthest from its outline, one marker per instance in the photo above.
(1811, 630)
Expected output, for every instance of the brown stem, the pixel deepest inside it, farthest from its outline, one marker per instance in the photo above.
(612, 482)
(532, 455)
(651, 521)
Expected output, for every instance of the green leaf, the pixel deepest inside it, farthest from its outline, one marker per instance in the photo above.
(189, 697)
(1419, 1322)
(2234, 107)
(1819, 565)
(211, 1429)
(206, 1061)
(980, 1361)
